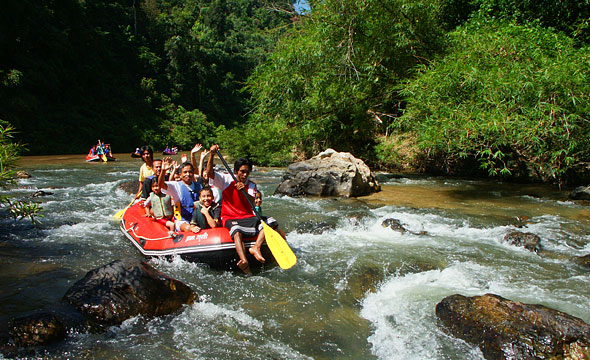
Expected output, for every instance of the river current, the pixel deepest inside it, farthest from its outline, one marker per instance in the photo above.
(358, 291)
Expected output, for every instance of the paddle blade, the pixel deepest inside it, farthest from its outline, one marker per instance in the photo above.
(279, 247)
(104, 158)
(119, 214)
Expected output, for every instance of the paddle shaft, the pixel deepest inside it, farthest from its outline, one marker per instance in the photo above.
(243, 190)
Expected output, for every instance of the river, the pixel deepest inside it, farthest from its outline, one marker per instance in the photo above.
(358, 291)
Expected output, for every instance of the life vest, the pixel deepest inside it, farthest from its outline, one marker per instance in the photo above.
(189, 194)
(161, 205)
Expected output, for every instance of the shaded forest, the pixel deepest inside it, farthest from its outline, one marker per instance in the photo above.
(129, 72)
(467, 87)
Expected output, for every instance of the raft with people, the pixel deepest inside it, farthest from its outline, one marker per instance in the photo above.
(170, 151)
(213, 247)
(99, 158)
(100, 152)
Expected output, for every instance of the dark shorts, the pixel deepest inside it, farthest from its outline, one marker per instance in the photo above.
(249, 227)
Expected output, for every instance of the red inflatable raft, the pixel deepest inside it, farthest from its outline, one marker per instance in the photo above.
(97, 158)
(211, 246)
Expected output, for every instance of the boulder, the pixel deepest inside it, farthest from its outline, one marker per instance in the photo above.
(505, 329)
(329, 173)
(126, 288)
(580, 193)
(529, 241)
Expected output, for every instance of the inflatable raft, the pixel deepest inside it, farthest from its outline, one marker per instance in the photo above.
(211, 246)
(97, 158)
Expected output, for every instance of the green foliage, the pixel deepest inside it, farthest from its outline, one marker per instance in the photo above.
(9, 155)
(184, 128)
(332, 78)
(264, 143)
(93, 67)
(514, 97)
(568, 16)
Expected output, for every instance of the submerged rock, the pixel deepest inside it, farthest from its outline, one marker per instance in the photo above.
(329, 173)
(505, 329)
(130, 186)
(529, 241)
(394, 224)
(38, 329)
(314, 227)
(583, 260)
(126, 288)
(41, 193)
(23, 175)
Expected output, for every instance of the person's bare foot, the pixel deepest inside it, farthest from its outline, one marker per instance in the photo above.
(257, 254)
(244, 266)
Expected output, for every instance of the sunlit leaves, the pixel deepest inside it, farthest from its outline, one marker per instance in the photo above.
(509, 95)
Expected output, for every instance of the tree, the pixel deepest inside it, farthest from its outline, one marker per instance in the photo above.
(333, 80)
(513, 97)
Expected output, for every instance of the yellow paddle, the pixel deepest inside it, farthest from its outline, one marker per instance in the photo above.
(277, 245)
(104, 158)
(120, 213)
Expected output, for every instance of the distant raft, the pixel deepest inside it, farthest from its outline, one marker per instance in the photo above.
(97, 158)
(213, 247)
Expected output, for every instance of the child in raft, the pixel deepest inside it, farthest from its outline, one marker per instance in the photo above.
(159, 206)
(207, 212)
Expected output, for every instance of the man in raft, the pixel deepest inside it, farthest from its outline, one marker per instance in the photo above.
(236, 213)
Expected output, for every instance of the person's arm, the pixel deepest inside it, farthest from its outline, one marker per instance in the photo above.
(166, 164)
(194, 151)
(201, 161)
(208, 217)
(147, 207)
(212, 151)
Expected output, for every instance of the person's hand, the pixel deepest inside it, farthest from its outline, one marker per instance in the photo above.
(167, 163)
(195, 228)
(196, 148)
(183, 158)
(205, 210)
(240, 186)
(204, 154)
(214, 148)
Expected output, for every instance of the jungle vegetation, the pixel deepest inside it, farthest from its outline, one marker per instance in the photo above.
(468, 87)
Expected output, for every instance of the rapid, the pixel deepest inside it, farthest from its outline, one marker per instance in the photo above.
(358, 291)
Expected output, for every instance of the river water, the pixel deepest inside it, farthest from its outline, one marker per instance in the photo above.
(358, 291)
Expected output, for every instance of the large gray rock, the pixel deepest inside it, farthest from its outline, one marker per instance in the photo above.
(505, 329)
(126, 288)
(329, 173)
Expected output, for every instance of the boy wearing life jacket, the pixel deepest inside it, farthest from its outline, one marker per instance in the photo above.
(207, 212)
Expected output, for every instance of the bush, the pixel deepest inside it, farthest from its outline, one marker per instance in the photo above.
(513, 97)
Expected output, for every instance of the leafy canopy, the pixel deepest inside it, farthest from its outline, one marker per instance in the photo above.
(515, 97)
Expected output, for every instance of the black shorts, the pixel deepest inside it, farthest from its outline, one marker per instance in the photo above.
(249, 227)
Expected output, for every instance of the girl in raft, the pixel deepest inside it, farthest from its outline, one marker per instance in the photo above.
(159, 206)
